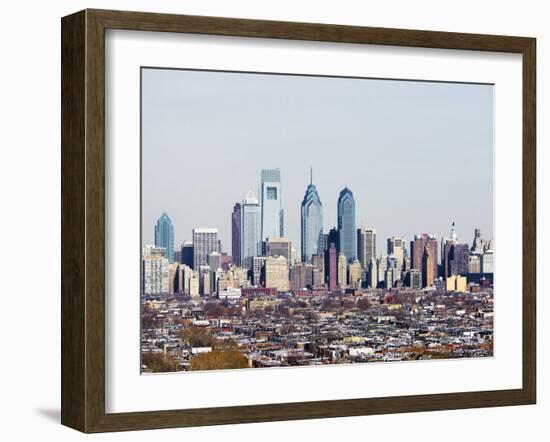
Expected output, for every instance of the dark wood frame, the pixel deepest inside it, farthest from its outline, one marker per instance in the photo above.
(83, 220)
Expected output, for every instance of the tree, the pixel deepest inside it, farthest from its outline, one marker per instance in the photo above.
(219, 360)
(159, 362)
(197, 337)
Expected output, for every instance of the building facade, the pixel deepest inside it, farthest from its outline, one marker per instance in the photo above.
(366, 246)
(251, 242)
(155, 271)
(205, 241)
(236, 234)
(276, 273)
(396, 249)
(279, 247)
(346, 225)
(272, 205)
(164, 235)
(418, 247)
(311, 223)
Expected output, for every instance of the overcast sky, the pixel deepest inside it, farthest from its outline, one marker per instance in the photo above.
(417, 155)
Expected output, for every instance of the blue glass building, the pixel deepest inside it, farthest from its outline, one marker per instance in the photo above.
(251, 226)
(347, 234)
(312, 223)
(164, 235)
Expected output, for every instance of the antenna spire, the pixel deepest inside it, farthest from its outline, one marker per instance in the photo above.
(310, 175)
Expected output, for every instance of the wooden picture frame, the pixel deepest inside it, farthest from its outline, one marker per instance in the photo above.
(83, 220)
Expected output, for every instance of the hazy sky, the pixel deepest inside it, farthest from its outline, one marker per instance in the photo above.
(417, 155)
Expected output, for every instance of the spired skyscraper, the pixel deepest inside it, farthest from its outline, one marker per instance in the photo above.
(311, 222)
(164, 235)
(272, 206)
(346, 225)
(251, 241)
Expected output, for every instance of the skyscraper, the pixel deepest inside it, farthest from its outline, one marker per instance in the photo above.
(251, 242)
(396, 249)
(330, 266)
(164, 235)
(155, 270)
(276, 273)
(366, 246)
(272, 206)
(311, 222)
(346, 225)
(279, 247)
(373, 273)
(418, 246)
(187, 253)
(342, 271)
(236, 234)
(205, 241)
(428, 274)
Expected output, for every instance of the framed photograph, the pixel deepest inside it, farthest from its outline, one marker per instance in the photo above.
(266, 221)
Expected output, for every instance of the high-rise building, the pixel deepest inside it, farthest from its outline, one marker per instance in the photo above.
(456, 283)
(318, 261)
(301, 275)
(366, 246)
(214, 261)
(396, 248)
(428, 272)
(271, 203)
(236, 234)
(418, 247)
(458, 259)
(382, 265)
(373, 273)
(346, 225)
(205, 241)
(276, 273)
(333, 238)
(164, 235)
(311, 223)
(279, 247)
(474, 264)
(355, 274)
(342, 271)
(187, 253)
(155, 271)
(258, 270)
(478, 245)
(330, 266)
(487, 262)
(251, 242)
(414, 278)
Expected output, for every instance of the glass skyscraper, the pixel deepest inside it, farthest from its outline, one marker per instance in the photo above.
(271, 203)
(251, 242)
(346, 225)
(312, 223)
(164, 235)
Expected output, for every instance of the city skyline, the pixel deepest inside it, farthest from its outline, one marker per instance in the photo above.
(385, 196)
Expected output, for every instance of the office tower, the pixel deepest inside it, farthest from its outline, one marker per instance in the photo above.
(164, 235)
(415, 279)
(318, 261)
(418, 246)
(205, 241)
(276, 273)
(205, 284)
(396, 248)
(382, 265)
(311, 223)
(428, 272)
(258, 270)
(194, 285)
(226, 261)
(487, 262)
(452, 239)
(342, 271)
(406, 264)
(187, 253)
(279, 247)
(301, 275)
(455, 283)
(251, 242)
(272, 205)
(373, 273)
(474, 264)
(346, 225)
(173, 277)
(323, 243)
(236, 234)
(155, 271)
(214, 261)
(330, 266)
(366, 245)
(355, 274)
(458, 259)
(177, 255)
